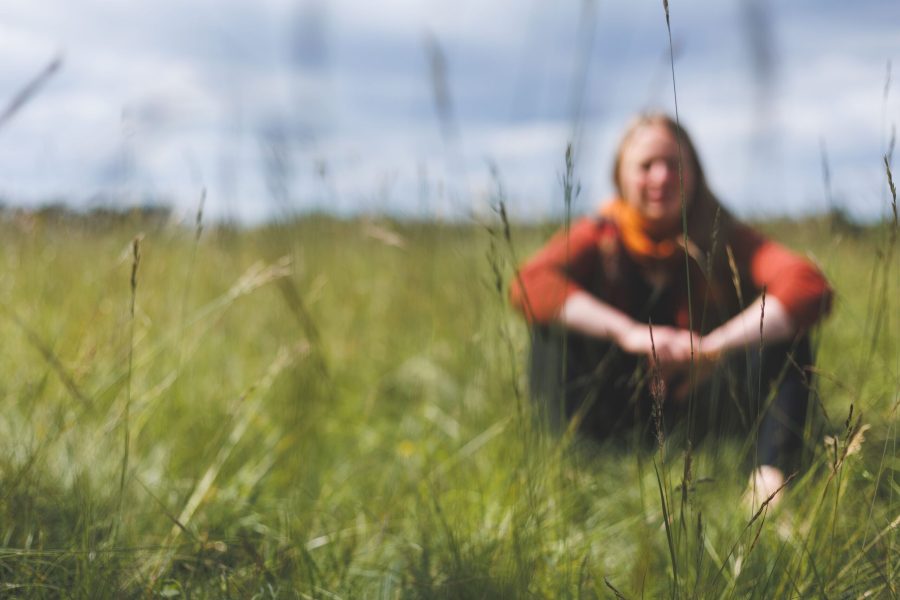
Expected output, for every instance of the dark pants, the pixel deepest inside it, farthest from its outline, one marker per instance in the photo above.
(604, 393)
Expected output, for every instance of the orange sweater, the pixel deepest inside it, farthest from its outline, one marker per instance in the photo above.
(593, 259)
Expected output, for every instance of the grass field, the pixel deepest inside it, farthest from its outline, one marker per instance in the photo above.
(338, 409)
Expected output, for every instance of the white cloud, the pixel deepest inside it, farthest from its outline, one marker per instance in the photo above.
(167, 96)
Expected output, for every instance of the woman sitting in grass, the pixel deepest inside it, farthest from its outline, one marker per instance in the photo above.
(663, 307)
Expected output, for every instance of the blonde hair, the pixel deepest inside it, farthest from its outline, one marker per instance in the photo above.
(705, 212)
(678, 132)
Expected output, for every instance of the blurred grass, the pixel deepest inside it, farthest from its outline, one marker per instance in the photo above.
(325, 408)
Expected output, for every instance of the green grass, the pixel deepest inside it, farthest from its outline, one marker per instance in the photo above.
(354, 423)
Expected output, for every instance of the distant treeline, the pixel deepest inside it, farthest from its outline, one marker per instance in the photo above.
(148, 215)
(158, 215)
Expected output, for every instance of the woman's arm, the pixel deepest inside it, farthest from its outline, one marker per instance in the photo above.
(760, 322)
(793, 280)
(795, 295)
(588, 315)
(546, 280)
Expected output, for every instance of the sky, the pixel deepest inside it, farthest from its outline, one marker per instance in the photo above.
(433, 108)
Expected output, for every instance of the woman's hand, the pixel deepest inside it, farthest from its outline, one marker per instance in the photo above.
(683, 379)
(668, 347)
(671, 349)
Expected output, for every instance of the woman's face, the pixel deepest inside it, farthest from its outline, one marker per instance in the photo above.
(648, 175)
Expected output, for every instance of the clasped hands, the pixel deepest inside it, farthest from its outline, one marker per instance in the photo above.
(671, 350)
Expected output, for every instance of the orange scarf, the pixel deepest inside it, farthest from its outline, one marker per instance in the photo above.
(634, 229)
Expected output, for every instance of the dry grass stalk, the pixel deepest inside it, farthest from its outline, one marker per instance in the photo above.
(383, 234)
(258, 275)
(735, 275)
(892, 187)
(657, 392)
(29, 91)
(198, 230)
(48, 354)
(126, 442)
(760, 512)
(247, 407)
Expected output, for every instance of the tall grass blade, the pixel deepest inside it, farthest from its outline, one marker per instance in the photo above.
(668, 526)
(126, 442)
(30, 90)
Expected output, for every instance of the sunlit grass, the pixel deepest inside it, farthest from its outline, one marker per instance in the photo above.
(319, 410)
